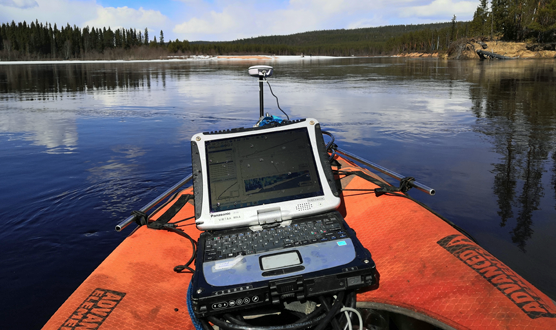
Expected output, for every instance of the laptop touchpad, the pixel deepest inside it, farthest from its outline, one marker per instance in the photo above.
(280, 260)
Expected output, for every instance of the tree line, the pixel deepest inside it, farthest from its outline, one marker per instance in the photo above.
(511, 20)
(384, 40)
(38, 41)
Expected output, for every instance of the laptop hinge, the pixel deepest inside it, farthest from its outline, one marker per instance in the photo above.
(269, 216)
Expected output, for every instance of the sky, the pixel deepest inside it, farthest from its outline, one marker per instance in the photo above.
(226, 20)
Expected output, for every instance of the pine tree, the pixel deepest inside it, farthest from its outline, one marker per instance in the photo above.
(543, 24)
(453, 29)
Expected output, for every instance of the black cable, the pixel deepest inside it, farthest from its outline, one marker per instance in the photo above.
(182, 220)
(317, 311)
(181, 268)
(334, 321)
(308, 320)
(205, 325)
(277, 100)
(239, 320)
(329, 144)
(304, 319)
(333, 311)
(143, 219)
(293, 326)
(351, 301)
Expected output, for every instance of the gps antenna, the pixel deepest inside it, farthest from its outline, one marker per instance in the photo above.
(261, 71)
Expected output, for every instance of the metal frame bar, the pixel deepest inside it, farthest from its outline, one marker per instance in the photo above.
(154, 202)
(420, 186)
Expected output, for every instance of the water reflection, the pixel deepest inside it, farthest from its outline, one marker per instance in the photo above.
(56, 131)
(407, 101)
(42, 103)
(517, 113)
(116, 178)
(52, 81)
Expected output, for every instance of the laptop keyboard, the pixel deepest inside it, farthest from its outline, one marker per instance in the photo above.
(310, 230)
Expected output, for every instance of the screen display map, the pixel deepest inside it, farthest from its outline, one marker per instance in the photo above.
(261, 169)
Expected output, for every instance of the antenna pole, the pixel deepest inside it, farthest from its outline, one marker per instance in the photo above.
(261, 99)
(261, 71)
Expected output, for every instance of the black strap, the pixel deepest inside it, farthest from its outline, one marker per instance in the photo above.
(406, 184)
(140, 217)
(366, 177)
(162, 221)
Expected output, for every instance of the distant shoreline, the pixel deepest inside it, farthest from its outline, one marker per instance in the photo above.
(184, 58)
(517, 50)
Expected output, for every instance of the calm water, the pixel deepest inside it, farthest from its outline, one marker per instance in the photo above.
(82, 145)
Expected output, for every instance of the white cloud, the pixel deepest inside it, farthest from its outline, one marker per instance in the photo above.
(368, 22)
(124, 17)
(236, 19)
(223, 20)
(83, 13)
(213, 23)
(442, 8)
(51, 11)
(19, 3)
(243, 20)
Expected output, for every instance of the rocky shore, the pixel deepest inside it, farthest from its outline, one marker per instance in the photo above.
(467, 49)
(510, 49)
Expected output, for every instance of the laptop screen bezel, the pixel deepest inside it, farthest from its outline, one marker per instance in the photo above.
(249, 216)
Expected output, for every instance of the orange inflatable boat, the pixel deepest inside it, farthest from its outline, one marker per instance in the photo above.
(432, 276)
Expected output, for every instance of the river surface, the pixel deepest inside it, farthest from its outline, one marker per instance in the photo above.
(84, 144)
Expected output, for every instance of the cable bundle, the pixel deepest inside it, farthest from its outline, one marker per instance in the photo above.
(334, 312)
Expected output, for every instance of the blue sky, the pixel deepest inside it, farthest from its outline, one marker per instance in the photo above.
(221, 20)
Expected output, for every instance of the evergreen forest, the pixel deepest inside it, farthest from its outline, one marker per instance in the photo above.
(509, 20)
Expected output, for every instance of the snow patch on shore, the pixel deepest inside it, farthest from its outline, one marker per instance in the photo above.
(184, 59)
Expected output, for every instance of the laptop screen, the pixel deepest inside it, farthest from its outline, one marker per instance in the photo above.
(261, 169)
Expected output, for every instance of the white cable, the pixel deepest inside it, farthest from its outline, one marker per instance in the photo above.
(345, 309)
(348, 323)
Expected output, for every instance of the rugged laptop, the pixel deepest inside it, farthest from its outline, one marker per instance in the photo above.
(265, 199)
